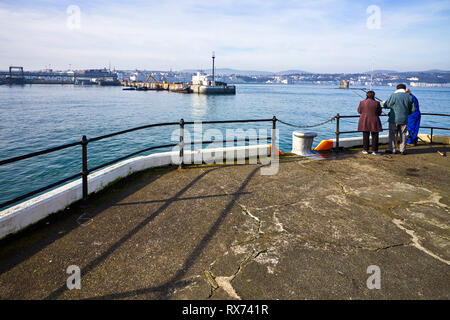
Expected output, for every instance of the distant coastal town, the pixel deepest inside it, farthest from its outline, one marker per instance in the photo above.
(108, 76)
(432, 78)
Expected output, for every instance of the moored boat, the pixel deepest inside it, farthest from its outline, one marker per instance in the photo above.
(207, 84)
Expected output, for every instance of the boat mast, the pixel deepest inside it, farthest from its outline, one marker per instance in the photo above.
(213, 81)
(371, 78)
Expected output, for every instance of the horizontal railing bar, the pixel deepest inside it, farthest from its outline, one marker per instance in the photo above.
(341, 132)
(167, 146)
(130, 155)
(38, 153)
(436, 128)
(435, 114)
(386, 129)
(32, 193)
(133, 129)
(228, 121)
(171, 124)
(385, 115)
(357, 116)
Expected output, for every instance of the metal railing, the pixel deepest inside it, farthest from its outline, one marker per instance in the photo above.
(84, 148)
(338, 133)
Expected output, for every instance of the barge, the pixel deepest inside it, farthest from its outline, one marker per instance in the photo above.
(205, 84)
(201, 83)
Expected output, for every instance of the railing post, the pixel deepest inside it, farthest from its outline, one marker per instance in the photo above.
(274, 136)
(84, 171)
(337, 132)
(181, 165)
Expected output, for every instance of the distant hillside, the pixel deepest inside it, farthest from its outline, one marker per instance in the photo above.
(382, 71)
(228, 71)
(393, 71)
(436, 71)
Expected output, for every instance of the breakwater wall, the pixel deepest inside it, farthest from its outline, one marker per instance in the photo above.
(177, 87)
(153, 85)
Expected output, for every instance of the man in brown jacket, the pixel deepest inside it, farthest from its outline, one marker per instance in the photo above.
(369, 122)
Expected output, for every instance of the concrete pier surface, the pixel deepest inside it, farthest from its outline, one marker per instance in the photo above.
(227, 232)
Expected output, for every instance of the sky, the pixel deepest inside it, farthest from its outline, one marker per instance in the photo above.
(329, 36)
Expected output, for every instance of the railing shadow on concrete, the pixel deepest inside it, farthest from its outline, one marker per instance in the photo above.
(14, 253)
(176, 281)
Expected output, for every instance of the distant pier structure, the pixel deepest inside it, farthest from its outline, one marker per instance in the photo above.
(16, 75)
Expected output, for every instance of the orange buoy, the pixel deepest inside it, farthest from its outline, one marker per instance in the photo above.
(324, 145)
(276, 150)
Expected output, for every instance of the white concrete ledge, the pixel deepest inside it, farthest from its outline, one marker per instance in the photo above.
(436, 138)
(22, 215)
(358, 141)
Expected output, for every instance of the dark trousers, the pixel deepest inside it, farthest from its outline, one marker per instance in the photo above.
(366, 135)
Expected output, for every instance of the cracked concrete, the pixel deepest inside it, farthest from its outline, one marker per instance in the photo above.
(416, 243)
(226, 232)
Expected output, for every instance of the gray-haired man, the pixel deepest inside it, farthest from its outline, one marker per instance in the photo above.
(401, 105)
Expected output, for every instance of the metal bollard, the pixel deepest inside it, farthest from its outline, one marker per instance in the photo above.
(181, 165)
(85, 171)
(337, 132)
(273, 137)
(302, 143)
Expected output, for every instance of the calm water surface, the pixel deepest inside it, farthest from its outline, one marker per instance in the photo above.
(36, 117)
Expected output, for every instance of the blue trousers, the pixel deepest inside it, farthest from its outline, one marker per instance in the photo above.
(413, 127)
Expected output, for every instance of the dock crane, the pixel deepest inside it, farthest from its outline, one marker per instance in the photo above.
(150, 76)
(158, 84)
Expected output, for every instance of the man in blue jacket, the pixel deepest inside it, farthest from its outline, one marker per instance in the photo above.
(401, 105)
(413, 121)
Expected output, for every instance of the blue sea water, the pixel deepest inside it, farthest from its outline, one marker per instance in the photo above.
(36, 117)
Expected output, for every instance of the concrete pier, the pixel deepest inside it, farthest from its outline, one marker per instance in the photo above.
(226, 232)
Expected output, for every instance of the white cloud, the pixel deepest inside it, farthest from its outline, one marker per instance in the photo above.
(316, 36)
